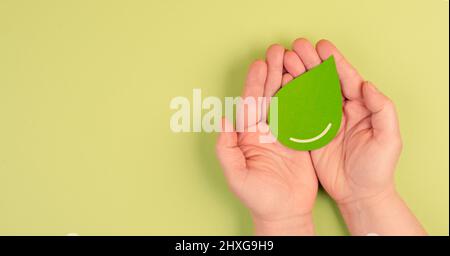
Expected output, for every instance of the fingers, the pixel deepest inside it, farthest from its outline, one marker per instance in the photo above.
(384, 117)
(230, 155)
(351, 81)
(274, 59)
(250, 113)
(355, 111)
(256, 77)
(286, 79)
(305, 50)
(293, 64)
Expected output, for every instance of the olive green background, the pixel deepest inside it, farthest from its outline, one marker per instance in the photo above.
(85, 86)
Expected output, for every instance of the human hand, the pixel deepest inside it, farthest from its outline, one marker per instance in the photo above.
(357, 167)
(277, 184)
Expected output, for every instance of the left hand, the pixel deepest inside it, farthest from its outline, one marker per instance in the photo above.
(277, 184)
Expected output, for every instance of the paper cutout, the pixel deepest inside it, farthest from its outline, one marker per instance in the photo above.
(310, 108)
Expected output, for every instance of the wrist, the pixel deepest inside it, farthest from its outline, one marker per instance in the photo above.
(361, 215)
(383, 213)
(368, 203)
(297, 225)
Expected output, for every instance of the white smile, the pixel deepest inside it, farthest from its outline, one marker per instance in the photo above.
(314, 138)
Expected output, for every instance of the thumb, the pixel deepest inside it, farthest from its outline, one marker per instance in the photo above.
(230, 155)
(384, 117)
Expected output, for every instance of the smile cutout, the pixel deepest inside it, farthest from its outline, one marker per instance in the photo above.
(313, 138)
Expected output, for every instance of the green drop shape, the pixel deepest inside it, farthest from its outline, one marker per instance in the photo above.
(309, 108)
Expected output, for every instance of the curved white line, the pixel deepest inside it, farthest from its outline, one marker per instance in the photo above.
(314, 138)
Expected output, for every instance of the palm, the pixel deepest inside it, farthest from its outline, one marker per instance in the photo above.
(368, 134)
(278, 178)
(271, 180)
(343, 166)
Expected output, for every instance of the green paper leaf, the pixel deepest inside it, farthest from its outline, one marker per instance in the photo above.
(310, 108)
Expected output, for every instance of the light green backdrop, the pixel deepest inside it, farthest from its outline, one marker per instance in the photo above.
(85, 144)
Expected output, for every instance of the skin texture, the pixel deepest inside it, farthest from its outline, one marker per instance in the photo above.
(279, 185)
